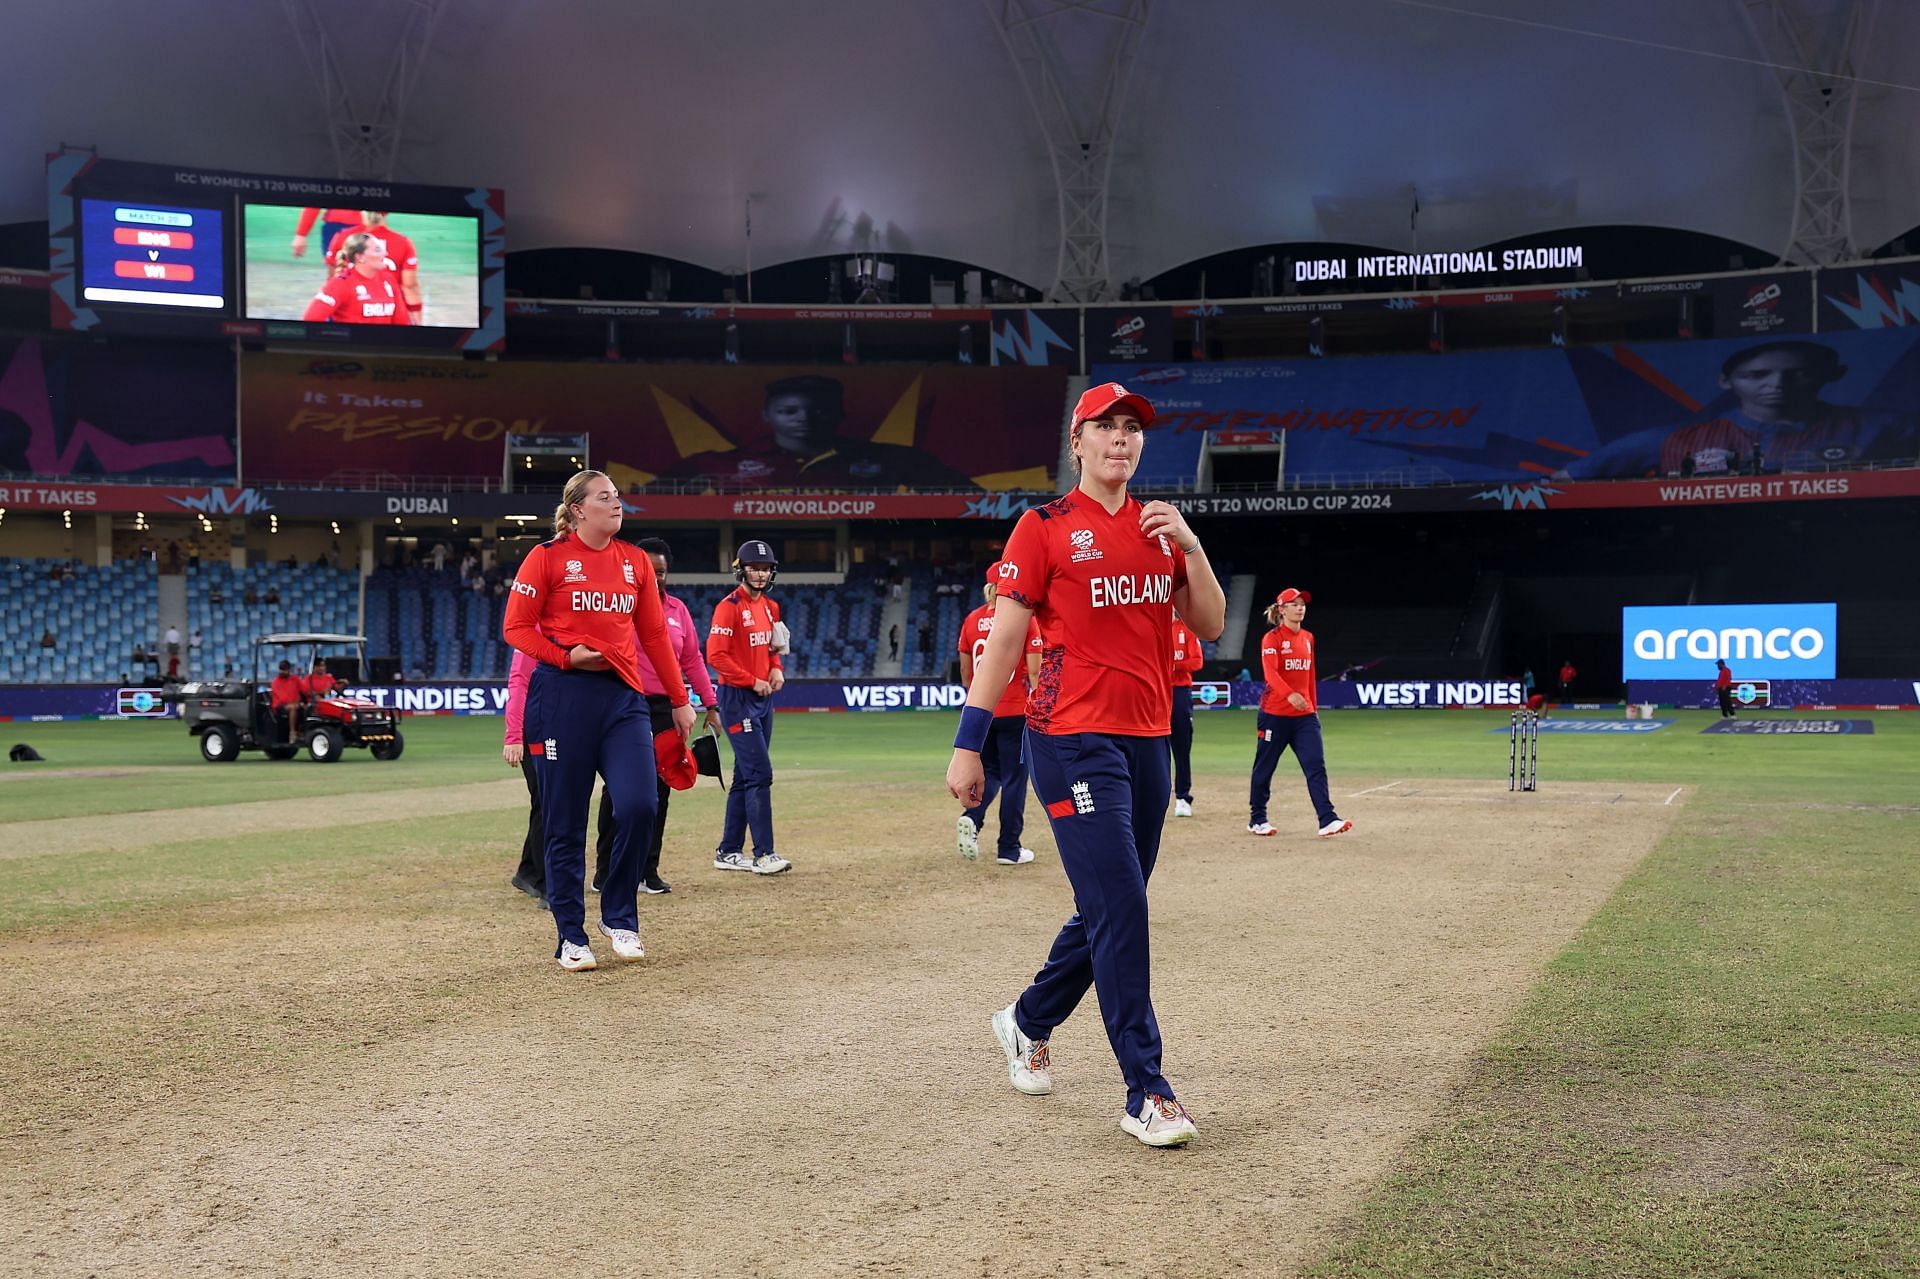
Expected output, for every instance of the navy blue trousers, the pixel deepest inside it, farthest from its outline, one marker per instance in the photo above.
(1183, 742)
(587, 723)
(1106, 798)
(1276, 733)
(748, 717)
(1006, 767)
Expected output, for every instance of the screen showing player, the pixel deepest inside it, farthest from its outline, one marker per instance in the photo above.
(360, 266)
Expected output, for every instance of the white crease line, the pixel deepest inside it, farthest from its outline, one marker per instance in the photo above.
(1371, 789)
(1676, 794)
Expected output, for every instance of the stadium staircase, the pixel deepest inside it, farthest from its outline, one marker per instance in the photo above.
(894, 613)
(1243, 602)
(172, 611)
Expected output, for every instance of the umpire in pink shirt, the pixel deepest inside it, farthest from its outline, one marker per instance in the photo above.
(689, 644)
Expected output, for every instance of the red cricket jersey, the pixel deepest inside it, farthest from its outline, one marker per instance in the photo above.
(400, 251)
(567, 593)
(1102, 592)
(1287, 658)
(973, 641)
(1188, 656)
(309, 216)
(740, 642)
(354, 299)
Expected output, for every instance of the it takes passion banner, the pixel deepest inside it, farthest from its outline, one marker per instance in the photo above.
(1722, 409)
(317, 419)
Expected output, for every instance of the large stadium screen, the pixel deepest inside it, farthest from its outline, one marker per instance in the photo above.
(198, 252)
(339, 266)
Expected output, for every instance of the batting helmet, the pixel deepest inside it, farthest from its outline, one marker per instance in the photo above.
(755, 552)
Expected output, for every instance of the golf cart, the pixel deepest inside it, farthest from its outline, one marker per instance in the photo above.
(230, 716)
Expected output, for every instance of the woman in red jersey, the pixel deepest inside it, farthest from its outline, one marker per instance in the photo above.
(364, 292)
(1102, 573)
(579, 604)
(1290, 715)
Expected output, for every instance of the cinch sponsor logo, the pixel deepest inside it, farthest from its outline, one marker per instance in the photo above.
(1150, 588)
(1760, 641)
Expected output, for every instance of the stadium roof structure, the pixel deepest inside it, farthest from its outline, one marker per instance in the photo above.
(740, 133)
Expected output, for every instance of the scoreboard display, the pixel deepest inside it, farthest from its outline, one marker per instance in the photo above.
(153, 255)
(156, 249)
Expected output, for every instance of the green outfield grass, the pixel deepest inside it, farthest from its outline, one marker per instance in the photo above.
(279, 285)
(1719, 1076)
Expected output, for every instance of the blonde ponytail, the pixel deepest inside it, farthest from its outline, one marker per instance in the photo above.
(574, 492)
(987, 592)
(1273, 615)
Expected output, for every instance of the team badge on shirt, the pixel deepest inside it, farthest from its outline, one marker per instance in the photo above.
(575, 571)
(1083, 547)
(628, 570)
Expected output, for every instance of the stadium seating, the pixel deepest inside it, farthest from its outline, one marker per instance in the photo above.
(434, 626)
(96, 619)
(312, 597)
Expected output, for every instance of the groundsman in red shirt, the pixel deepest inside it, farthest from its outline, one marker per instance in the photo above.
(1102, 573)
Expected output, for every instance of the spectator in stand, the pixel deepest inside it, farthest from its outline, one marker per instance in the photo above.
(193, 643)
(193, 552)
(216, 596)
(893, 642)
(173, 641)
(47, 640)
(273, 595)
(439, 557)
(173, 557)
(139, 658)
(1568, 674)
(173, 669)
(67, 571)
(248, 597)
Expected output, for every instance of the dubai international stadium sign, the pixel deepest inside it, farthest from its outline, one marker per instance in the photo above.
(1402, 266)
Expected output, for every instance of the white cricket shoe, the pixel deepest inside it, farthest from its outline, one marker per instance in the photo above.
(1024, 856)
(577, 959)
(731, 861)
(626, 942)
(1029, 1067)
(1335, 827)
(967, 835)
(1162, 1121)
(1260, 828)
(1182, 808)
(770, 864)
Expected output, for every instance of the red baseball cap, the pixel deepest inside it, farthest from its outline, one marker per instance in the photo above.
(671, 758)
(1108, 396)
(1291, 594)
